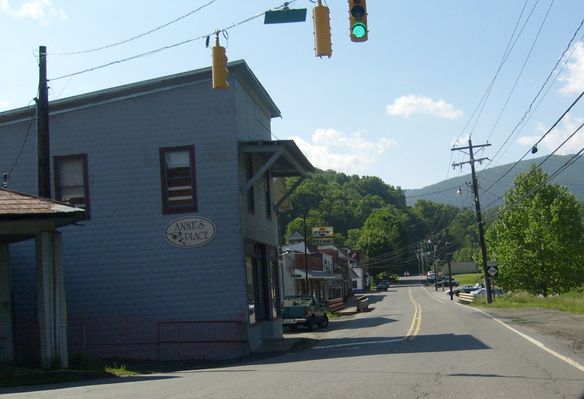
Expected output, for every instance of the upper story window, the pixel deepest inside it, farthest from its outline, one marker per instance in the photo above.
(71, 180)
(177, 171)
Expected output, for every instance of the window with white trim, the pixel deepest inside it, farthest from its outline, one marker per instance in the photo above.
(178, 182)
(71, 180)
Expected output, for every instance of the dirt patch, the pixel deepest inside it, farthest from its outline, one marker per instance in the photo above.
(563, 326)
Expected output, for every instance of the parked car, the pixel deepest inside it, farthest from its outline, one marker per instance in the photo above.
(446, 282)
(303, 310)
(483, 292)
(382, 286)
(431, 277)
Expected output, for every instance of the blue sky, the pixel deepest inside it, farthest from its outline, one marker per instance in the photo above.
(390, 107)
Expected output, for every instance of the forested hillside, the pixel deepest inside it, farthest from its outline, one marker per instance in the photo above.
(368, 214)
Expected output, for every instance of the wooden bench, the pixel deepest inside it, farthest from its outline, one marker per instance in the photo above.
(335, 304)
(465, 298)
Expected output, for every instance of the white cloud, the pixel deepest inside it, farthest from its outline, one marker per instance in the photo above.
(4, 104)
(574, 75)
(557, 137)
(351, 154)
(38, 10)
(411, 104)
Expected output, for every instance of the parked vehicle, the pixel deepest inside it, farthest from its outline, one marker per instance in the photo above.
(303, 310)
(383, 285)
(431, 277)
(483, 292)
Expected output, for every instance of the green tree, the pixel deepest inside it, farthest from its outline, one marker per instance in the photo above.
(383, 233)
(537, 238)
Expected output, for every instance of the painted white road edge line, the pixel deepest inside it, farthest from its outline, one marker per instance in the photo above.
(536, 342)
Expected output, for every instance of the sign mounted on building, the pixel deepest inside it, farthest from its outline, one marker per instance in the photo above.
(189, 232)
(322, 232)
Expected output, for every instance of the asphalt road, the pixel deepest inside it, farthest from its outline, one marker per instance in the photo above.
(414, 343)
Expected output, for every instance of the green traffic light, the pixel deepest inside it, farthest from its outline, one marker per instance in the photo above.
(359, 30)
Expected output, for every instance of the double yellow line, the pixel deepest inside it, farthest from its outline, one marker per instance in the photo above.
(417, 320)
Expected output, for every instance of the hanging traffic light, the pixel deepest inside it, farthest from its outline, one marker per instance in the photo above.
(322, 30)
(358, 20)
(219, 70)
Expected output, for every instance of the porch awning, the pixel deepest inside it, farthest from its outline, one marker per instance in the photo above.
(23, 216)
(317, 275)
(282, 158)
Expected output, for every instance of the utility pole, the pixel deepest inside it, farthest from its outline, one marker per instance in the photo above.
(43, 153)
(479, 216)
(448, 259)
(435, 268)
(305, 258)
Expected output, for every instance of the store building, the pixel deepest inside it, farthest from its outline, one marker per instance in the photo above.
(176, 257)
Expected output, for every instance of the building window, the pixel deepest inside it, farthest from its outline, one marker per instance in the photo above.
(71, 180)
(177, 171)
(249, 175)
(268, 195)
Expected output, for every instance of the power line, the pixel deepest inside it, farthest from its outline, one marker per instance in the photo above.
(23, 144)
(539, 141)
(529, 108)
(161, 48)
(546, 158)
(522, 69)
(138, 36)
(510, 44)
(561, 169)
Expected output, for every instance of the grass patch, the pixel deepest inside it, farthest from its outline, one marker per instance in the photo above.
(471, 278)
(572, 302)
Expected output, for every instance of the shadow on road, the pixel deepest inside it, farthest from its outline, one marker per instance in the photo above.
(81, 383)
(354, 347)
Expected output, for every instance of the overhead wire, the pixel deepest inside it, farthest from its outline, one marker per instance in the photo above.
(510, 44)
(558, 171)
(521, 70)
(539, 141)
(530, 107)
(546, 158)
(160, 49)
(92, 50)
(33, 117)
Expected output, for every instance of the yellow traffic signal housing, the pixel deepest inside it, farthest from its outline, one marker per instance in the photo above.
(358, 20)
(322, 31)
(219, 68)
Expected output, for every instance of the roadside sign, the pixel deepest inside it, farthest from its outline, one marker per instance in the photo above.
(492, 271)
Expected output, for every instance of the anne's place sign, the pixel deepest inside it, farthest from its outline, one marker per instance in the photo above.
(190, 232)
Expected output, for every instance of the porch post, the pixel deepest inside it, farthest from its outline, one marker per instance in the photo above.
(6, 337)
(51, 303)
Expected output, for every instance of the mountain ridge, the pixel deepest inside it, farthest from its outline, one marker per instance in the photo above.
(445, 192)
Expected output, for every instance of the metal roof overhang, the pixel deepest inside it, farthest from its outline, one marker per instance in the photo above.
(282, 158)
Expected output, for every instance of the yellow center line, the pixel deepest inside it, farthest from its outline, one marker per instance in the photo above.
(416, 324)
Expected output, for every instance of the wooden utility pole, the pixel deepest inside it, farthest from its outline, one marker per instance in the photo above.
(43, 152)
(479, 216)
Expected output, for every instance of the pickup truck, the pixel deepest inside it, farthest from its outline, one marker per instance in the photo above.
(303, 310)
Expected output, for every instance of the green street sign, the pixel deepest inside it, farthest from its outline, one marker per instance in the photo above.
(284, 16)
